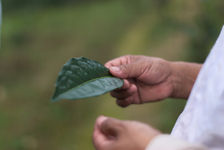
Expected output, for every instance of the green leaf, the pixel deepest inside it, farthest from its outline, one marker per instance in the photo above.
(82, 78)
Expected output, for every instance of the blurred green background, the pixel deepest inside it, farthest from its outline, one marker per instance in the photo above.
(39, 36)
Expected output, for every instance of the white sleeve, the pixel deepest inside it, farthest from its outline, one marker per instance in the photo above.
(167, 142)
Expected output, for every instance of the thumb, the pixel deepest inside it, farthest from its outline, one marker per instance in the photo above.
(132, 70)
(112, 128)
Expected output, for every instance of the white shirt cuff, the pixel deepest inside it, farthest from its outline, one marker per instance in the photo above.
(166, 142)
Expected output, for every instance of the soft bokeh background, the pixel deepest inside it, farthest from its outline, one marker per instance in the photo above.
(39, 36)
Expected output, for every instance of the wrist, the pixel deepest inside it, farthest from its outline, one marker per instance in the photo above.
(183, 76)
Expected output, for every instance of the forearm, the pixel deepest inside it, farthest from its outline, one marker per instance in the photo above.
(183, 78)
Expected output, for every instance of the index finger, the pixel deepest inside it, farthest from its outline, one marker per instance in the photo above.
(123, 60)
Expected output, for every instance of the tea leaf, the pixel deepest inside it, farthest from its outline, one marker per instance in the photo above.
(82, 78)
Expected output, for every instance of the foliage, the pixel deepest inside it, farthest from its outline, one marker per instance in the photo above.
(209, 23)
(38, 38)
(12, 5)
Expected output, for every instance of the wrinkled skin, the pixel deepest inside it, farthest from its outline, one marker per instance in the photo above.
(145, 79)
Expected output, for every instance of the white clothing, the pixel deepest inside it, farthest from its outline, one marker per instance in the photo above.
(202, 121)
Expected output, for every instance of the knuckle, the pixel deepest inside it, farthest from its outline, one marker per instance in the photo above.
(129, 58)
(113, 94)
(123, 103)
(124, 69)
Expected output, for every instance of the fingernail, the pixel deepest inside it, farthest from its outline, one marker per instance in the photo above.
(115, 69)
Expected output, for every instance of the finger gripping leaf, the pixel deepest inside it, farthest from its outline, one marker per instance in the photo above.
(82, 78)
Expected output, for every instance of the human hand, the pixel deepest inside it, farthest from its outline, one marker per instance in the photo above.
(145, 79)
(114, 134)
(149, 79)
